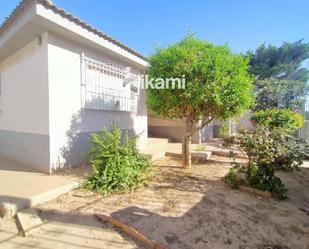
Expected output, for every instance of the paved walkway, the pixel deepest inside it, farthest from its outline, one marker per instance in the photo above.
(72, 232)
(22, 187)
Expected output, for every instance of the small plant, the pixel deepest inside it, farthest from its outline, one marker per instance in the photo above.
(224, 134)
(224, 131)
(117, 165)
(232, 178)
(229, 141)
(268, 151)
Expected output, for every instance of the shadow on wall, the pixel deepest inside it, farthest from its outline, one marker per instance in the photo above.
(88, 121)
(82, 126)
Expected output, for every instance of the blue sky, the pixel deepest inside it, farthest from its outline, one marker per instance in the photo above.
(145, 24)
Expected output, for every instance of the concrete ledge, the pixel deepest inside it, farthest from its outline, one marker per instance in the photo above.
(195, 156)
(9, 206)
(27, 220)
(228, 153)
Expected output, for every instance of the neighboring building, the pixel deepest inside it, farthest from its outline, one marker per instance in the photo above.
(174, 129)
(61, 80)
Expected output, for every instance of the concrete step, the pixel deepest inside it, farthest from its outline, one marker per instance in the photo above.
(22, 188)
(200, 157)
(27, 220)
(228, 153)
(161, 147)
(9, 206)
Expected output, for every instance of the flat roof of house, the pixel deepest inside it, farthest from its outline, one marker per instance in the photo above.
(10, 20)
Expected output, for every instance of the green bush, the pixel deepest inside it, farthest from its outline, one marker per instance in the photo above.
(268, 151)
(224, 131)
(232, 178)
(263, 177)
(224, 134)
(278, 119)
(117, 166)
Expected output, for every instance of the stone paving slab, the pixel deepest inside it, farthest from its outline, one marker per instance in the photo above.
(27, 220)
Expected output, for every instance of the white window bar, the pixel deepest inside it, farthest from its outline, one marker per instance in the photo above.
(102, 87)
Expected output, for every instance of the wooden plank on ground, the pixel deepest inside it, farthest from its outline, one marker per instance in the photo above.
(148, 243)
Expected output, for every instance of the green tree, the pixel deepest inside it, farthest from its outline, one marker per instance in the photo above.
(281, 78)
(218, 85)
(284, 62)
(273, 93)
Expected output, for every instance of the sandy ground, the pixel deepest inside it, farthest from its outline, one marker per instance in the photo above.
(181, 209)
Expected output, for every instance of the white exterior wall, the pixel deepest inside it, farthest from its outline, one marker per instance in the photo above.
(24, 92)
(70, 125)
(41, 120)
(24, 124)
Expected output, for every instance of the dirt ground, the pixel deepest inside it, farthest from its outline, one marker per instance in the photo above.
(183, 209)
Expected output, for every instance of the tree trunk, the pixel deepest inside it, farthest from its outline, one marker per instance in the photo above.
(186, 145)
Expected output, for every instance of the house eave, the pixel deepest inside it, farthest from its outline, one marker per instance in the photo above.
(37, 17)
(18, 30)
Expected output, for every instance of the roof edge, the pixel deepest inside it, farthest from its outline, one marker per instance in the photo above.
(50, 5)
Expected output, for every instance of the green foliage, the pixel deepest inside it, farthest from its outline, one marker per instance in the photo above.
(232, 178)
(117, 166)
(229, 141)
(217, 81)
(268, 151)
(224, 131)
(278, 119)
(224, 134)
(281, 78)
(284, 62)
(273, 93)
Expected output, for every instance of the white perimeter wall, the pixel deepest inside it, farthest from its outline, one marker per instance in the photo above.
(68, 124)
(24, 89)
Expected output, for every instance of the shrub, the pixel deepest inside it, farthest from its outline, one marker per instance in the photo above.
(117, 166)
(269, 151)
(224, 131)
(229, 141)
(278, 119)
(224, 134)
(232, 178)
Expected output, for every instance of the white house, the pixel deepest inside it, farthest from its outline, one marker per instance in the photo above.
(61, 80)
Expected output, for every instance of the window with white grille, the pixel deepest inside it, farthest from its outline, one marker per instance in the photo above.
(103, 87)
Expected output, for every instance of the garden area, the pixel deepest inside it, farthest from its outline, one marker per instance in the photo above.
(252, 192)
(172, 206)
(191, 208)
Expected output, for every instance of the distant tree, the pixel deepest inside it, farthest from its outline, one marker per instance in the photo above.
(218, 85)
(284, 62)
(281, 78)
(273, 93)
